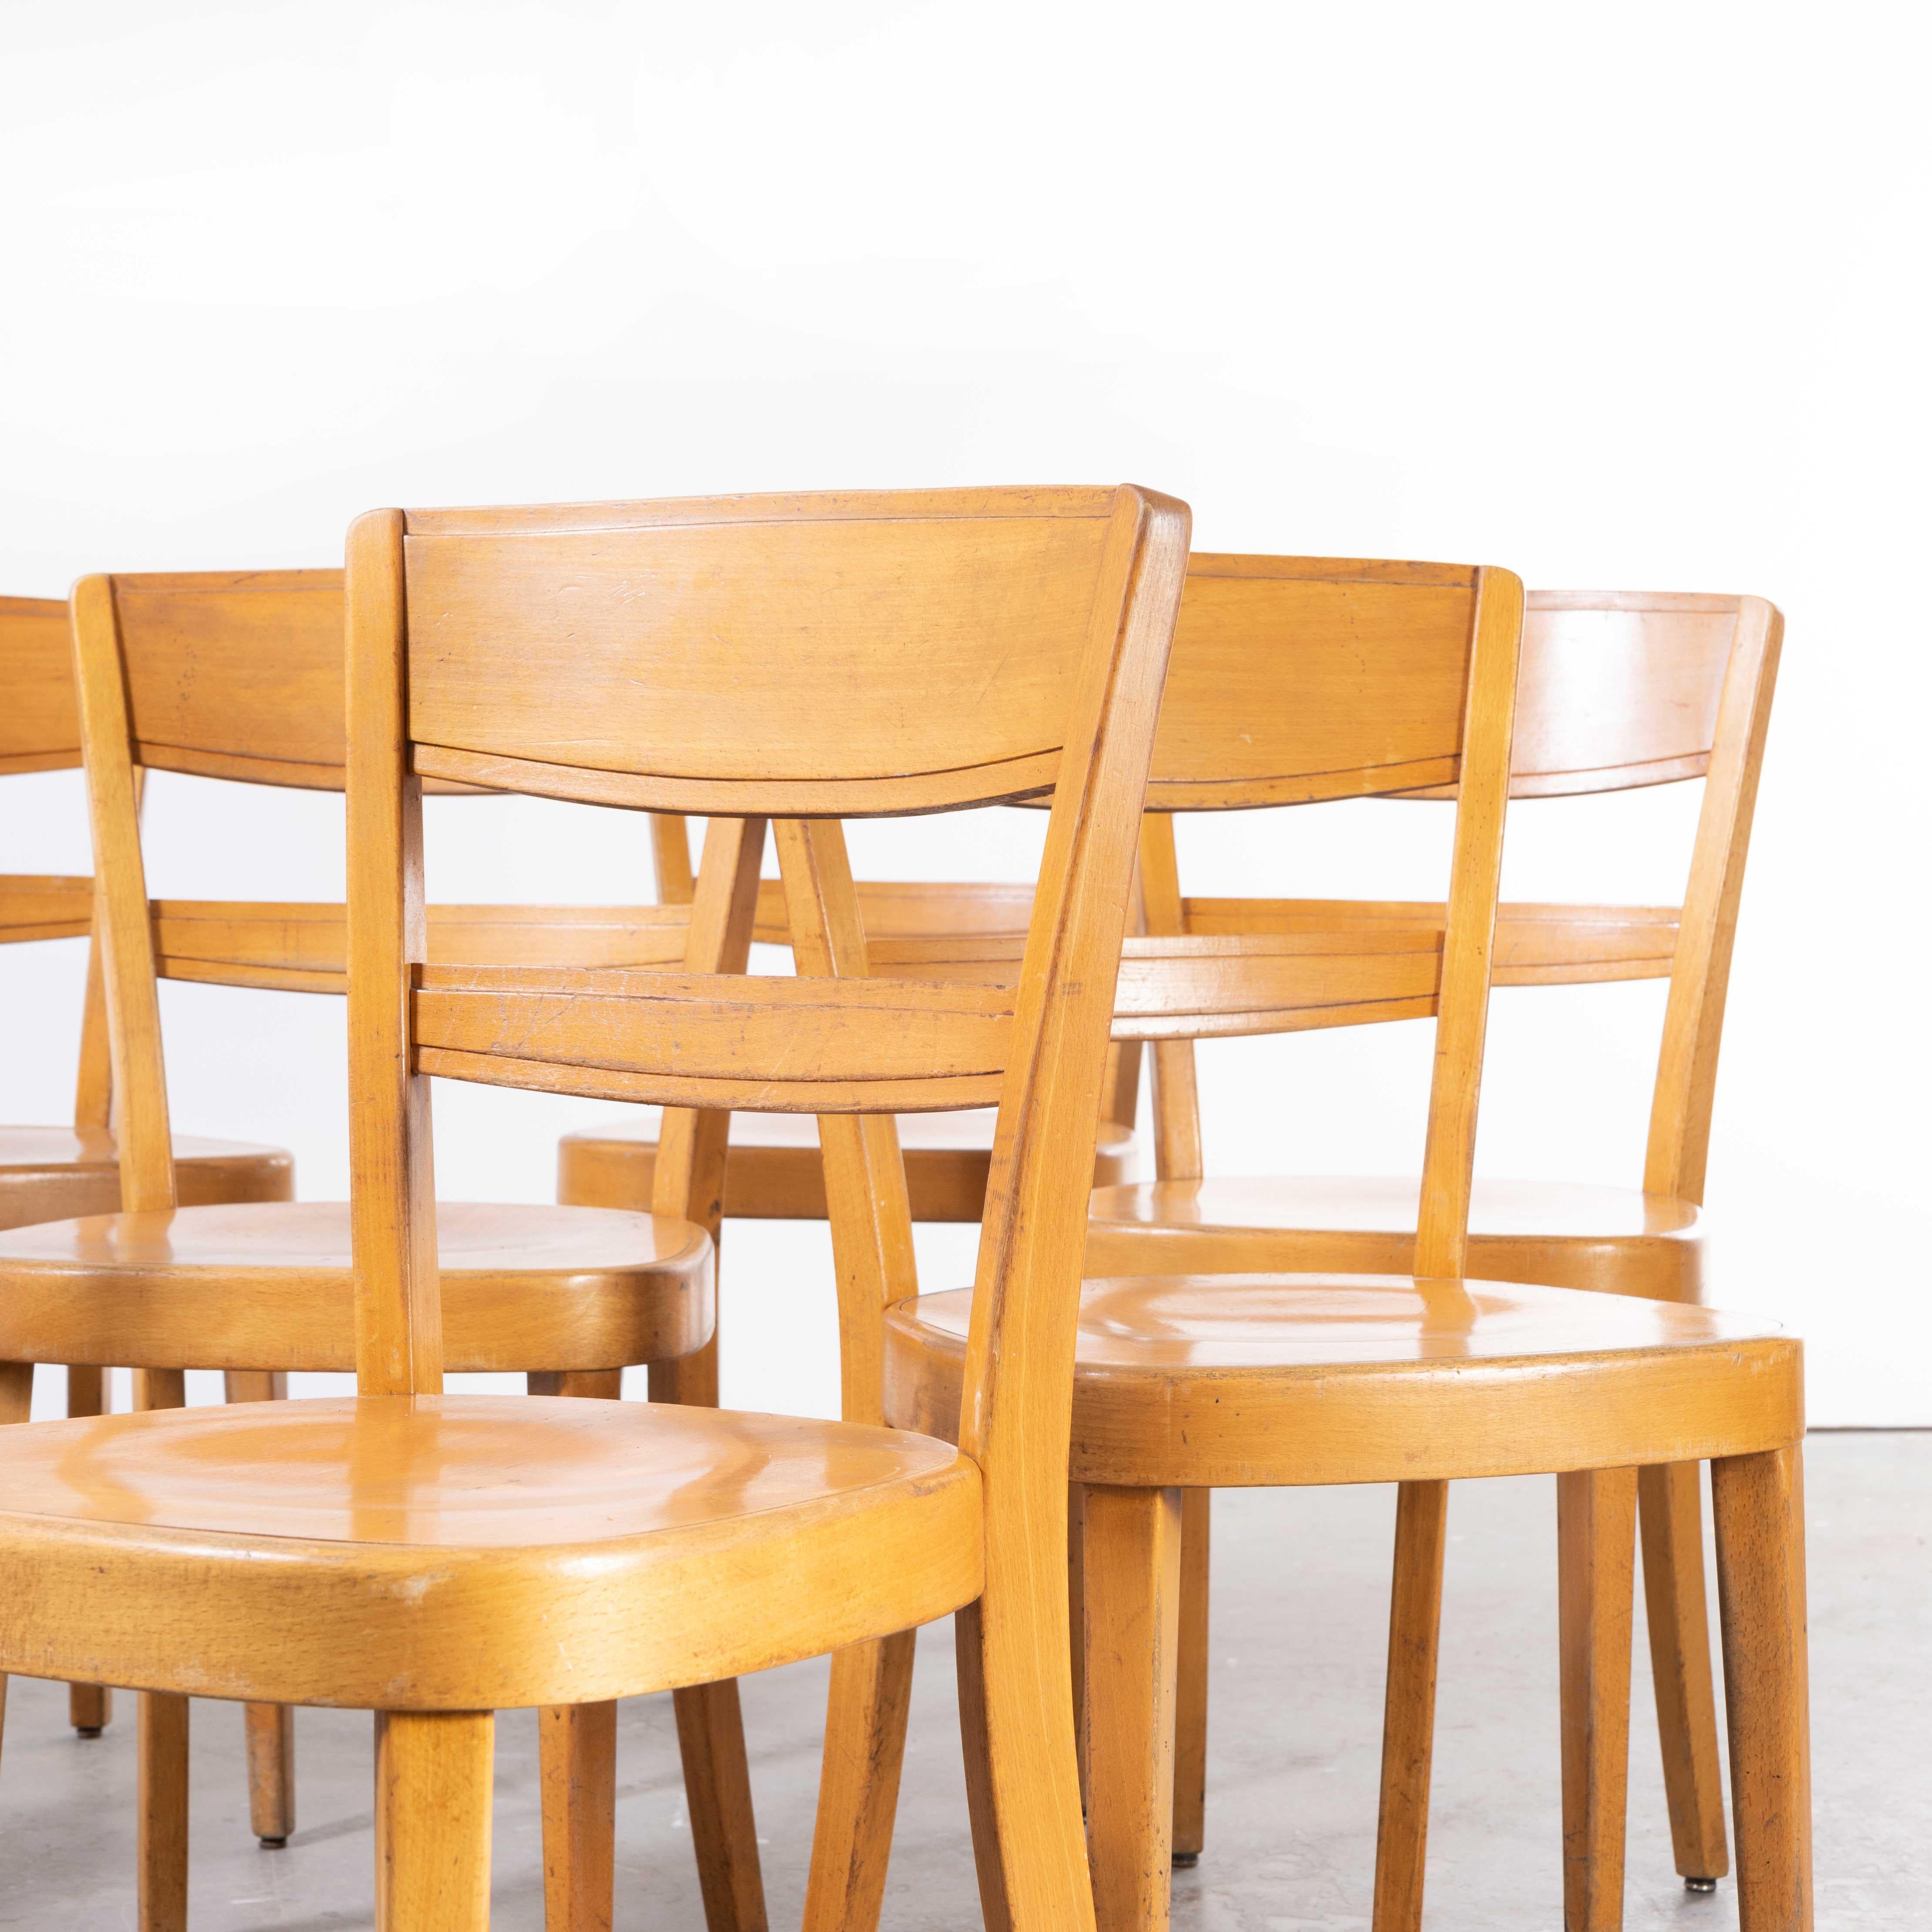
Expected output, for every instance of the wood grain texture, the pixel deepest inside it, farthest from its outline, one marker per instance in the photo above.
(40, 729)
(434, 1773)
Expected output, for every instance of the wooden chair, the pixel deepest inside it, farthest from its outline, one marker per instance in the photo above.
(1294, 680)
(1618, 690)
(773, 1171)
(49, 1173)
(242, 677)
(435, 1557)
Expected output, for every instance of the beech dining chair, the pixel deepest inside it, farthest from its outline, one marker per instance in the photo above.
(1295, 679)
(436, 1557)
(1619, 690)
(50, 1173)
(240, 677)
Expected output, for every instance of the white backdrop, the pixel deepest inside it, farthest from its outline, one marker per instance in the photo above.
(1631, 296)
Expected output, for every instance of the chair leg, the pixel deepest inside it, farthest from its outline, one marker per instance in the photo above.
(90, 1707)
(16, 1404)
(270, 1729)
(859, 1787)
(577, 1751)
(1409, 1713)
(1131, 1544)
(718, 1791)
(1668, 1508)
(433, 1774)
(1022, 1784)
(579, 1755)
(161, 1840)
(1758, 1503)
(1596, 1532)
(1190, 1709)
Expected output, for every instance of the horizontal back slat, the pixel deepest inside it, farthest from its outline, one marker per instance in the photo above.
(893, 909)
(40, 725)
(304, 948)
(44, 907)
(730, 656)
(1619, 689)
(236, 675)
(783, 1046)
(1296, 679)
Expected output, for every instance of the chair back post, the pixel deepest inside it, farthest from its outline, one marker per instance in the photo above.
(392, 1205)
(1176, 1096)
(1686, 1073)
(125, 937)
(671, 859)
(1468, 939)
(867, 1205)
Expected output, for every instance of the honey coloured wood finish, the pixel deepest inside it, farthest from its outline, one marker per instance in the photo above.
(1389, 1354)
(482, 1553)
(1617, 690)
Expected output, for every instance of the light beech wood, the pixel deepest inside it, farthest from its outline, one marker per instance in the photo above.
(434, 1557)
(1427, 1369)
(1616, 690)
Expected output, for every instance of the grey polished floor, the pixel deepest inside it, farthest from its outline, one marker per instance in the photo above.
(1300, 1601)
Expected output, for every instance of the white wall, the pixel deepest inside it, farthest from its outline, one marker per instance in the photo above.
(1631, 296)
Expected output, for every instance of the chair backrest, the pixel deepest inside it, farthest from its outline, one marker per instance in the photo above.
(1619, 690)
(1294, 679)
(239, 676)
(798, 659)
(40, 731)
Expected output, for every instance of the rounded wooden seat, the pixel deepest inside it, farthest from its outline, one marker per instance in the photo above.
(774, 1173)
(268, 1285)
(1561, 1234)
(49, 1173)
(468, 1553)
(1223, 1381)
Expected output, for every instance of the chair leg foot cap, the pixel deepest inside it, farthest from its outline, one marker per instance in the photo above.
(87, 1730)
(1700, 1885)
(275, 1844)
(1185, 1861)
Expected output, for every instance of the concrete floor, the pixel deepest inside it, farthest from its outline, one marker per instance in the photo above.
(1300, 1604)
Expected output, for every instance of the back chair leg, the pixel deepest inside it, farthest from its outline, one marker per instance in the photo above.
(1596, 1531)
(16, 1404)
(161, 1836)
(577, 1753)
(1022, 1785)
(1131, 1565)
(161, 1749)
(578, 1749)
(1409, 1714)
(1758, 1502)
(859, 1786)
(718, 1791)
(1669, 1508)
(269, 1729)
(90, 1707)
(1190, 1715)
(433, 1774)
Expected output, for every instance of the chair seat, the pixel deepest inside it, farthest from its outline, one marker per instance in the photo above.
(1222, 1380)
(466, 1552)
(267, 1285)
(774, 1172)
(1616, 1241)
(48, 1174)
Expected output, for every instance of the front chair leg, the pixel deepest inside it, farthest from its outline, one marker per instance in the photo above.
(859, 1787)
(1758, 1504)
(1409, 1713)
(161, 1836)
(1596, 1530)
(1190, 1705)
(1131, 1561)
(269, 1729)
(16, 1404)
(1668, 1508)
(433, 1774)
(718, 1791)
(577, 1754)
